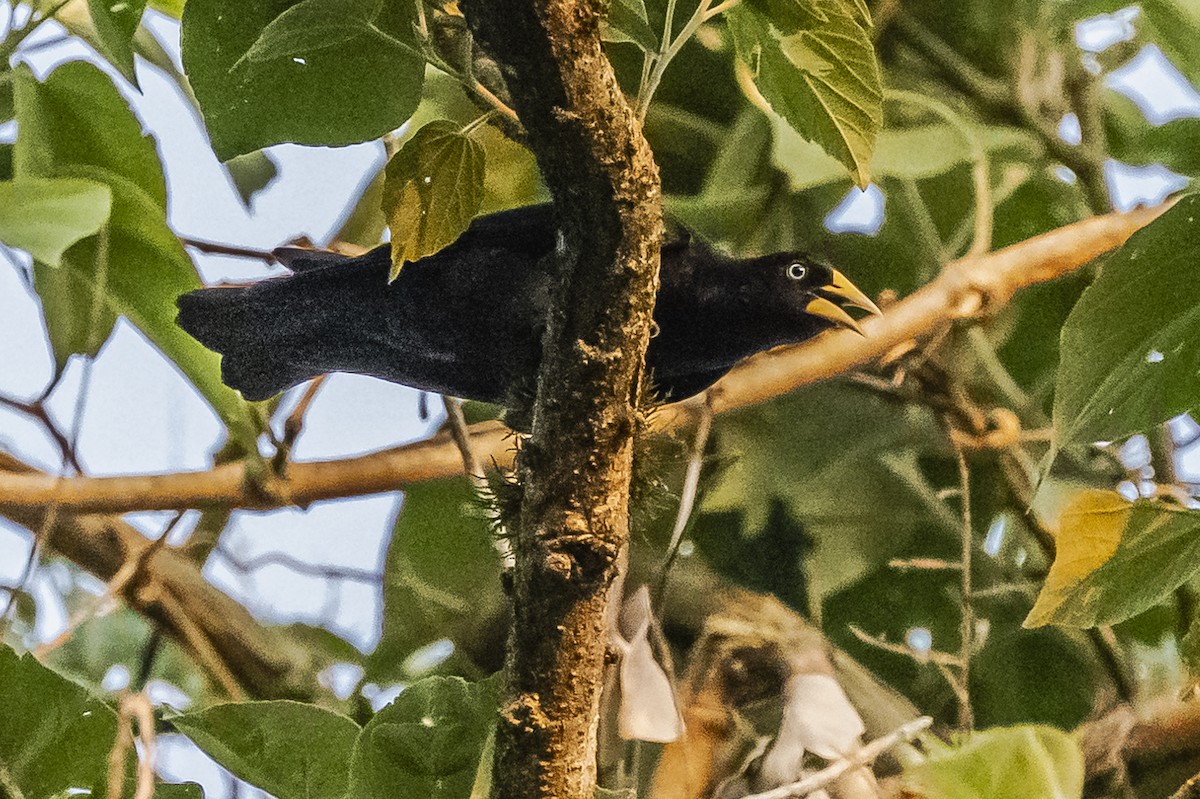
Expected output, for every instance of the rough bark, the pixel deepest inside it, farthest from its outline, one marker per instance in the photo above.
(576, 466)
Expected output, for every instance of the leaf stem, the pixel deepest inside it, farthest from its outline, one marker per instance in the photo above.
(471, 84)
(668, 52)
(982, 240)
(720, 8)
(474, 124)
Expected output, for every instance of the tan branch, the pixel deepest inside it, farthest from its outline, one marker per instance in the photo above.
(244, 656)
(965, 289)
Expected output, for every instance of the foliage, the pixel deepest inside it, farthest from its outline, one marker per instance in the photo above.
(840, 499)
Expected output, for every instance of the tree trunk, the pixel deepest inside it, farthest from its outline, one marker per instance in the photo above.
(576, 465)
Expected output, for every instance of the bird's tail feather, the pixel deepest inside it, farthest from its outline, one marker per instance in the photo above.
(247, 326)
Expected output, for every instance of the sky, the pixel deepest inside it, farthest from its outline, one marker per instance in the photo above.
(139, 415)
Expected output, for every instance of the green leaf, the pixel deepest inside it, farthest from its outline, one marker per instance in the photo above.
(289, 749)
(1175, 145)
(441, 577)
(793, 452)
(46, 216)
(116, 21)
(1002, 763)
(816, 65)
(350, 91)
(627, 22)
(77, 117)
(77, 125)
(312, 25)
(432, 189)
(1129, 355)
(6, 96)
(1115, 559)
(251, 173)
(172, 8)
(55, 736)
(913, 153)
(427, 743)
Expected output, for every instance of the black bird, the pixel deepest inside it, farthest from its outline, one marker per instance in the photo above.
(468, 320)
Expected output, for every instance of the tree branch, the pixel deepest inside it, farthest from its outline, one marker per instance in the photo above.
(964, 289)
(170, 590)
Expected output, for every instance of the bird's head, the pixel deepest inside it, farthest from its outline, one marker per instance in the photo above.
(798, 284)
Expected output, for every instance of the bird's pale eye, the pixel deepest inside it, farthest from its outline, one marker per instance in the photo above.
(797, 271)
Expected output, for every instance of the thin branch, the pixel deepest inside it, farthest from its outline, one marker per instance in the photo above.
(470, 83)
(967, 624)
(294, 424)
(687, 499)
(37, 410)
(218, 248)
(668, 53)
(113, 589)
(918, 656)
(865, 755)
(719, 9)
(982, 239)
(923, 564)
(249, 565)
(964, 289)
(462, 439)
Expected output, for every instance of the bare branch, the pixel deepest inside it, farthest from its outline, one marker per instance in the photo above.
(826, 776)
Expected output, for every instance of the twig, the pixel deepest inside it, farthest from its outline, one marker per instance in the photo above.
(470, 83)
(1189, 790)
(967, 77)
(462, 439)
(865, 755)
(37, 410)
(116, 586)
(932, 656)
(687, 499)
(302, 567)
(135, 706)
(202, 648)
(217, 248)
(962, 290)
(670, 49)
(967, 624)
(923, 564)
(294, 423)
(982, 240)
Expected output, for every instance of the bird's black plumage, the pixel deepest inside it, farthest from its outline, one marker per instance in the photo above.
(468, 320)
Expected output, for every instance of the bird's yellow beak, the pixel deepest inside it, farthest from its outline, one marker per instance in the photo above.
(841, 292)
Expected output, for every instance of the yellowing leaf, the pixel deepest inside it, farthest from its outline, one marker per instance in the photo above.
(1115, 559)
(432, 190)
